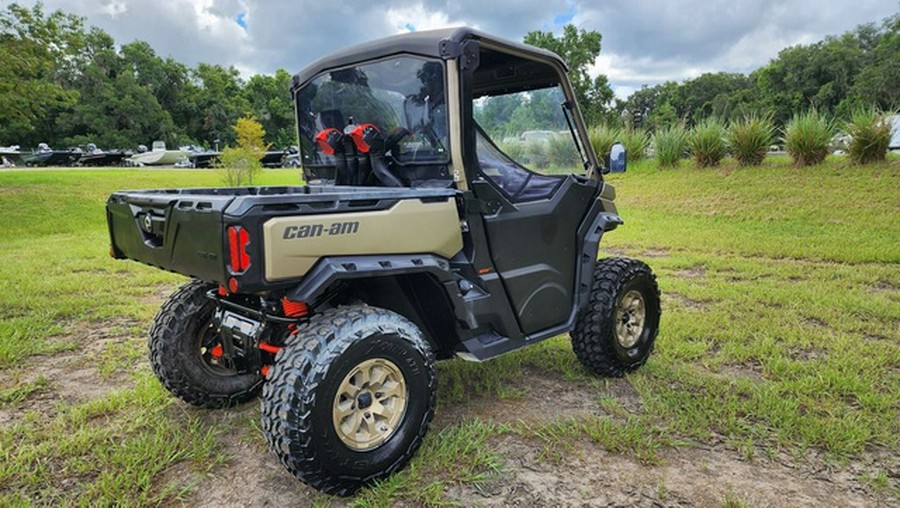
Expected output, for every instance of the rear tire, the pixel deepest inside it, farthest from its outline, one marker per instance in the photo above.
(181, 337)
(616, 332)
(349, 400)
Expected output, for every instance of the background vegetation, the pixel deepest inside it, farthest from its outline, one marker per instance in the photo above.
(65, 84)
(69, 84)
(836, 76)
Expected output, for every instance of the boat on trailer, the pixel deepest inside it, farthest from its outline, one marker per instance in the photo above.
(46, 156)
(157, 156)
(10, 156)
(96, 157)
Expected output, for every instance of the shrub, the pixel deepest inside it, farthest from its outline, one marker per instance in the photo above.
(807, 138)
(514, 148)
(636, 142)
(602, 138)
(536, 154)
(238, 165)
(561, 151)
(670, 145)
(707, 142)
(749, 139)
(870, 135)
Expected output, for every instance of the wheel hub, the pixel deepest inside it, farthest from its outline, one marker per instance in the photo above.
(364, 400)
(369, 404)
(630, 315)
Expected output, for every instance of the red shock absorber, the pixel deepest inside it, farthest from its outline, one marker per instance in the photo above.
(292, 309)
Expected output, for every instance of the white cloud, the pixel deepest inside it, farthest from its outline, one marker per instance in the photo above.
(114, 8)
(416, 18)
(644, 41)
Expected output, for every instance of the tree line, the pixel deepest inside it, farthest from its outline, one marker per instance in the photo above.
(69, 85)
(836, 76)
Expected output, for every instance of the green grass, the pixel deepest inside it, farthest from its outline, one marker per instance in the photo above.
(780, 332)
(107, 451)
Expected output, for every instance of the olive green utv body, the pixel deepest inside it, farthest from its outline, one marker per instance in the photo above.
(452, 207)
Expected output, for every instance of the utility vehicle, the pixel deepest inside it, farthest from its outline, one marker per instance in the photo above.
(415, 238)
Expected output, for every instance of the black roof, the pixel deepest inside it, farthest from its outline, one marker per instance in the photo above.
(425, 43)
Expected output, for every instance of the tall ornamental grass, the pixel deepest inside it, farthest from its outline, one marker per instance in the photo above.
(602, 138)
(561, 151)
(707, 142)
(807, 138)
(670, 145)
(748, 139)
(636, 142)
(870, 134)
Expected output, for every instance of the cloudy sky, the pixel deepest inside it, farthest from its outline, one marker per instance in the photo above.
(644, 41)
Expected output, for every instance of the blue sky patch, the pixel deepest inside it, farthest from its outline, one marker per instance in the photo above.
(566, 17)
(410, 27)
(241, 20)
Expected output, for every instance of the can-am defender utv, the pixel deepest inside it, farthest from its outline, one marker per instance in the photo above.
(453, 207)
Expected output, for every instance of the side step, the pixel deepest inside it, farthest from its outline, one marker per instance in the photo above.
(486, 346)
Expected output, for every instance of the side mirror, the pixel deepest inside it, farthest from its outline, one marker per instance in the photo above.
(617, 161)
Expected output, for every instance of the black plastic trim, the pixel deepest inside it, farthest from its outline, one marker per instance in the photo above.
(333, 269)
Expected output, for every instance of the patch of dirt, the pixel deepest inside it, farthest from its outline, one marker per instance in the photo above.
(816, 322)
(548, 394)
(612, 251)
(806, 354)
(253, 476)
(73, 376)
(158, 295)
(655, 253)
(683, 301)
(750, 372)
(692, 272)
(884, 286)
(747, 278)
(692, 476)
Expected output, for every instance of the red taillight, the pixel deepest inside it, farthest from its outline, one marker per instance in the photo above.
(238, 259)
(243, 240)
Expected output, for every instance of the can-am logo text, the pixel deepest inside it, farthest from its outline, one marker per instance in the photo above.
(316, 230)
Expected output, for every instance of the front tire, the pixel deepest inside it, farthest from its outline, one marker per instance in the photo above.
(181, 340)
(349, 400)
(616, 332)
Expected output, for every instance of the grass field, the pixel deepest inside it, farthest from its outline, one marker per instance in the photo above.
(780, 338)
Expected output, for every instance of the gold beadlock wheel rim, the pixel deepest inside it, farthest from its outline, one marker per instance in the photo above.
(630, 315)
(369, 404)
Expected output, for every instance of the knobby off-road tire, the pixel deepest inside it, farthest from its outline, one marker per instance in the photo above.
(303, 393)
(177, 337)
(622, 290)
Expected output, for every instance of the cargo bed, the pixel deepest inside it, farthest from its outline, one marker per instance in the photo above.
(186, 230)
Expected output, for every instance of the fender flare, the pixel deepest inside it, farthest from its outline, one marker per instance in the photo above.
(336, 268)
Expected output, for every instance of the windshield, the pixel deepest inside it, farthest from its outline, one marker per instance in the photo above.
(403, 97)
(531, 127)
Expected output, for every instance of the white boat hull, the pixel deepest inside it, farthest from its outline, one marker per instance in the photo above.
(158, 158)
